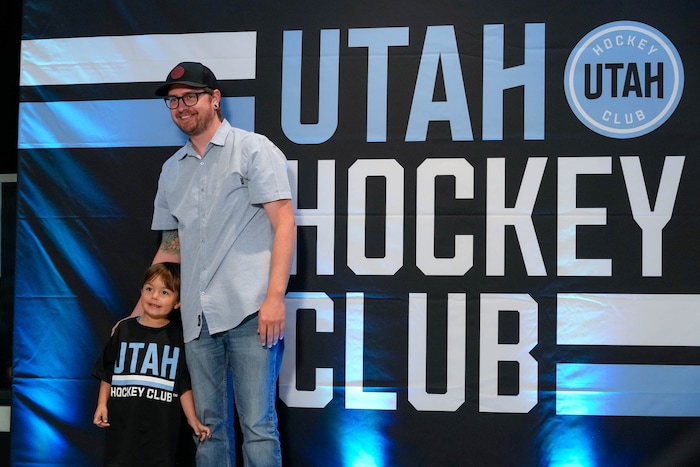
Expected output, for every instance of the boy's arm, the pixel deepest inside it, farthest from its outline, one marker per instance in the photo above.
(201, 430)
(100, 418)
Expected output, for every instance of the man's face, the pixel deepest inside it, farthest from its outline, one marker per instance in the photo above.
(195, 119)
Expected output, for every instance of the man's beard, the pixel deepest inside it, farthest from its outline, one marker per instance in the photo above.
(201, 123)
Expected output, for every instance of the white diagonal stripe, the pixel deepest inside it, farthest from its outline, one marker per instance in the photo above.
(142, 58)
(628, 319)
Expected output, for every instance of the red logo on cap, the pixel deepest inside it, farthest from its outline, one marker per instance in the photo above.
(177, 72)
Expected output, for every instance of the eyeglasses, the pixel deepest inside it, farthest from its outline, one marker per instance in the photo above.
(189, 99)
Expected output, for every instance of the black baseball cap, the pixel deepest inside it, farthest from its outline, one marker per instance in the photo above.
(192, 74)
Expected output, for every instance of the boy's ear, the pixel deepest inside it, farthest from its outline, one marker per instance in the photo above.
(177, 305)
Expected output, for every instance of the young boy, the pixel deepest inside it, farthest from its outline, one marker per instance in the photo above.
(143, 374)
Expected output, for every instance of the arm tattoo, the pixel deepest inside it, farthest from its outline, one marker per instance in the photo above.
(170, 242)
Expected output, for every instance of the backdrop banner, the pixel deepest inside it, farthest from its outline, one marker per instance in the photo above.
(497, 261)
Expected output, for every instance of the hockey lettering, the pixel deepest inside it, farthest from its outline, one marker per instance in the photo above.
(624, 80)
(439, 61)
(650, 218)
(136, 357)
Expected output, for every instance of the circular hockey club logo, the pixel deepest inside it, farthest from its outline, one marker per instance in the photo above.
(623, 79)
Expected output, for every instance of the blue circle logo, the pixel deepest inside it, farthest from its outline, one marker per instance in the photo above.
(623, 79)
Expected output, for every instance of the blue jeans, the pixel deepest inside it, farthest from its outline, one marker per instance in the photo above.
(253, 370)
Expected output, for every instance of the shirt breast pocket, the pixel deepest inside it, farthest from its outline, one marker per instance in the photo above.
(232, 187)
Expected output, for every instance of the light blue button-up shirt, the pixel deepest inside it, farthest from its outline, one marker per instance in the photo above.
(215, 203)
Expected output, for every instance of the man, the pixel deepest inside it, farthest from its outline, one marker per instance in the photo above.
(224, 207)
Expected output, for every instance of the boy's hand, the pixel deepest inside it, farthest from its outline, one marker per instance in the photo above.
(100, 418)
(202, 431)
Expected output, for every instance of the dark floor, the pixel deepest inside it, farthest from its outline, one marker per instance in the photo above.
(4, 450)
(4, 437)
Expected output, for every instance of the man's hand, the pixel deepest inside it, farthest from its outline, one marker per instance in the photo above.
(271, 322)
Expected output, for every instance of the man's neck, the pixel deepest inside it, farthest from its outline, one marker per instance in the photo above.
(200, 141)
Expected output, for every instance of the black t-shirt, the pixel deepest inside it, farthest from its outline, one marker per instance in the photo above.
(147, 370)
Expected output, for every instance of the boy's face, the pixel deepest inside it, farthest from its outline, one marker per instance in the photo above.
(157, 300)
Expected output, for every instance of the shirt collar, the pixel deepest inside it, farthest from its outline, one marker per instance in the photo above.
(219, 139)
